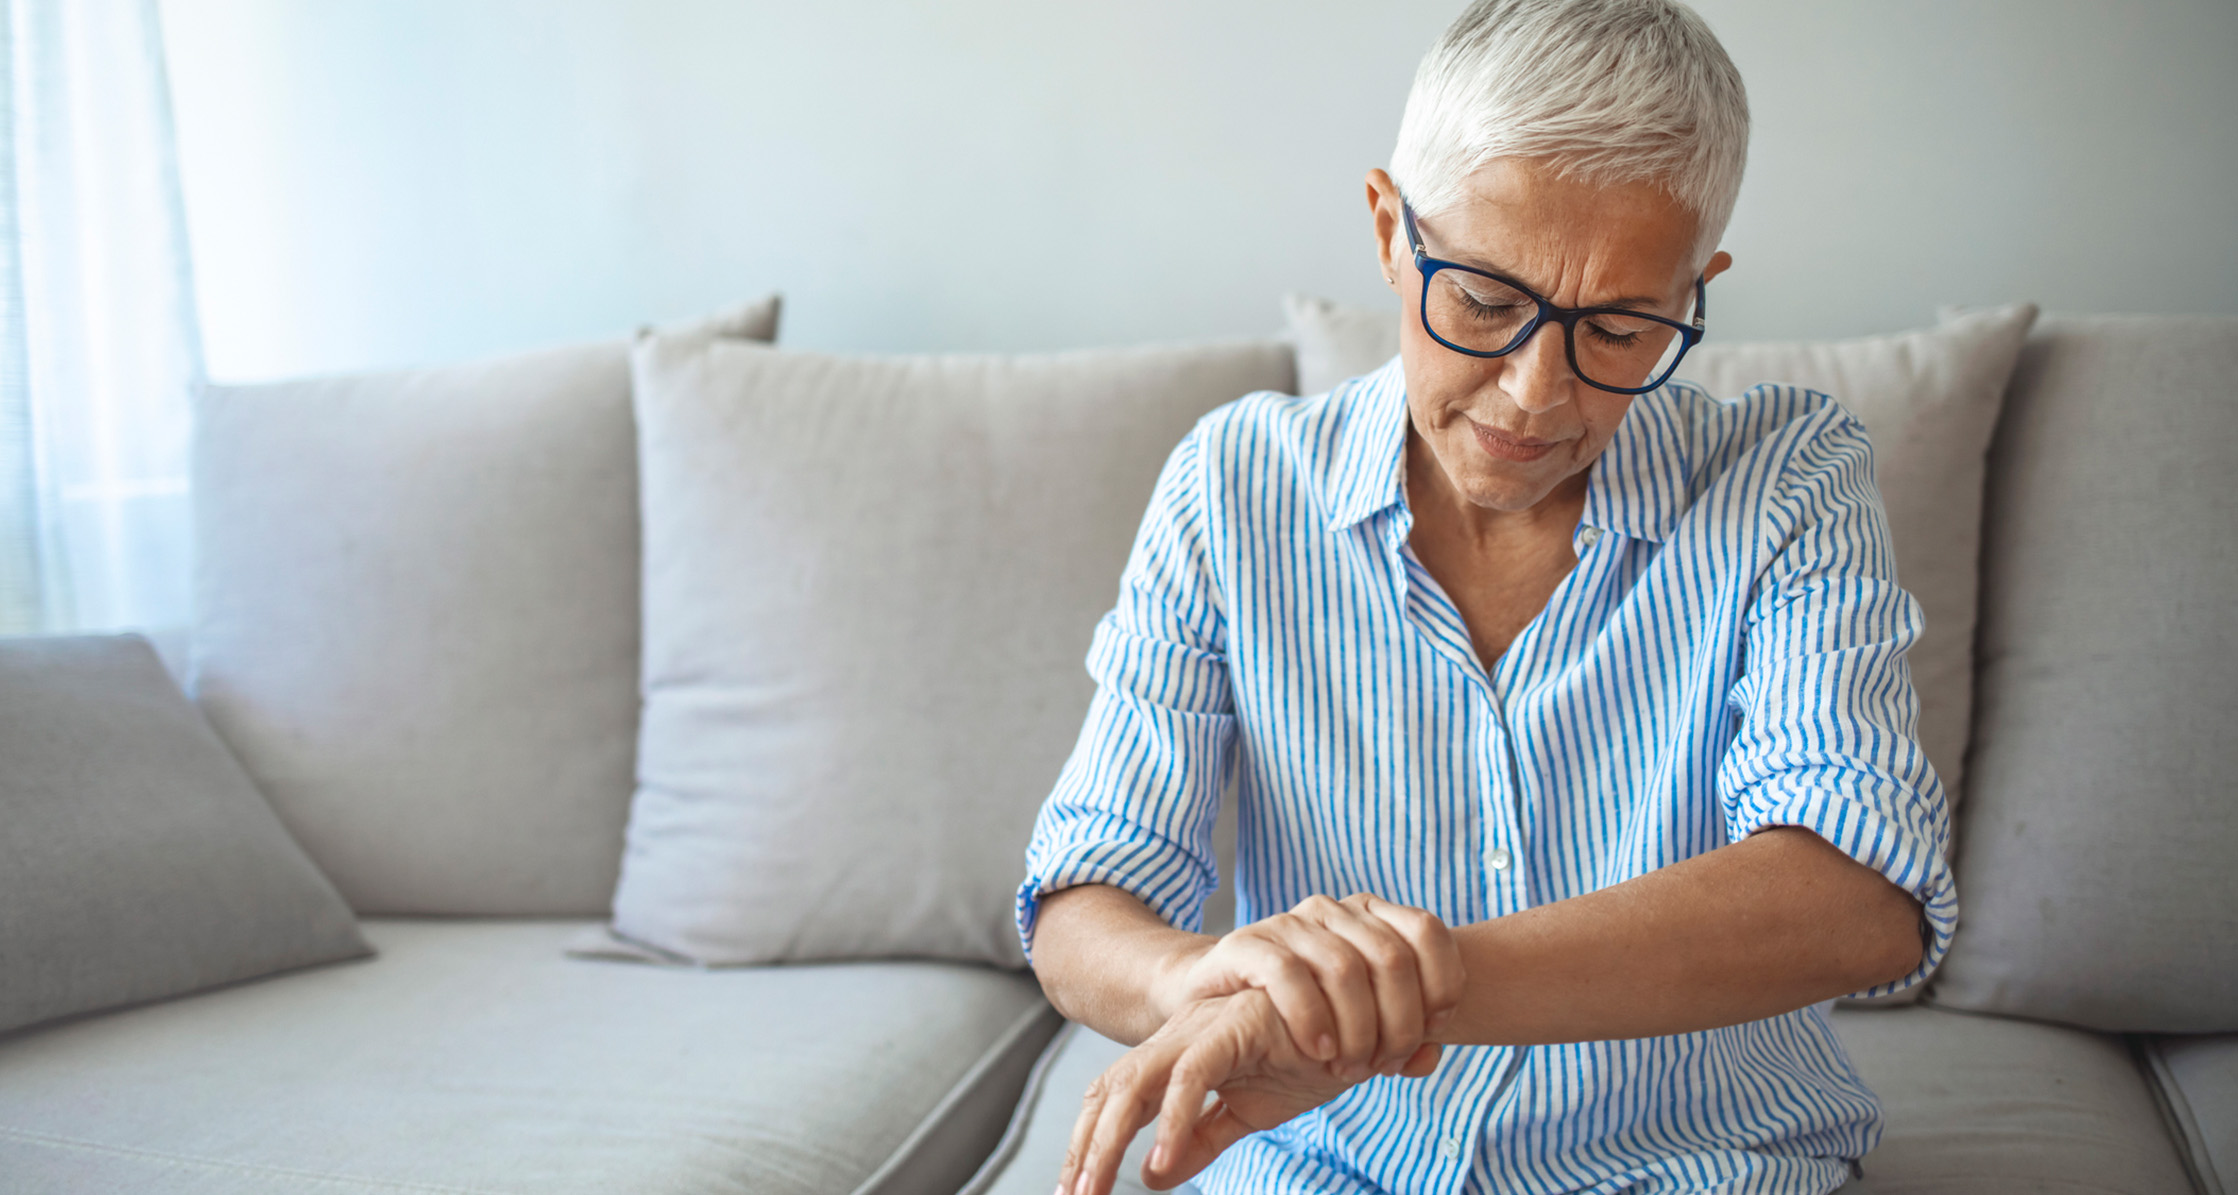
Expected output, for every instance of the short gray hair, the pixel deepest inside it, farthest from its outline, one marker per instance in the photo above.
(1606, 91)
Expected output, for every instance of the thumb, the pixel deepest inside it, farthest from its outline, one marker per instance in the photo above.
(1423, 1060)
(1213, 1134)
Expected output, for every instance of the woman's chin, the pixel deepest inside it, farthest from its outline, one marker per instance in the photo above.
(1509, 489)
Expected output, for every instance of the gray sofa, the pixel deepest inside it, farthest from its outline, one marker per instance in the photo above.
(479, 557)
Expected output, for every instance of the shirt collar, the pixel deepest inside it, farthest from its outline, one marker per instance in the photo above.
(1637, 488)
(1368, 472)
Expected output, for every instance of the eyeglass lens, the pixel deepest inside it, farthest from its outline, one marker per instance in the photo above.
(1484, 315)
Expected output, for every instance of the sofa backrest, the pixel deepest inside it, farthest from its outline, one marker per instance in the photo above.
(2095, 847)
(416, 621)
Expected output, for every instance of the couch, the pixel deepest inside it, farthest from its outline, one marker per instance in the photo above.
(419, 630)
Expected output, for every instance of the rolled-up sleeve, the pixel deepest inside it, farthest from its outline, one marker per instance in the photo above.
(1135, 804)
(1828, 719)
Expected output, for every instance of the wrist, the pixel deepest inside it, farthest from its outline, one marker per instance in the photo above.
(1170, 987)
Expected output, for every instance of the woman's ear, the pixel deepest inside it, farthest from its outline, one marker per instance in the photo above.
(1384, 212)
(1720, 262)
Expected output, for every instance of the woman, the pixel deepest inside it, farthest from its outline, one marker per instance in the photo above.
(1576, 744)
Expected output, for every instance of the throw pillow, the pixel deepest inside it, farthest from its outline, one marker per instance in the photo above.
(137, 861)
(870, 586)
(1336, 342)
(2095, 848)
(417, 620)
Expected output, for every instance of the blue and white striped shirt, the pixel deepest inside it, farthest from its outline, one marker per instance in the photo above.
(1727, 655)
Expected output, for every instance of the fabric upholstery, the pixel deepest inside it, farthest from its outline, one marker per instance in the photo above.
(137, 861)
(1971, 1105)
(2095, 848)
(2197, 1079)
(470, 1056)
(1335, 342)
(870, 585)
(417, 620)
(1031, 1153)
(1980, 1105)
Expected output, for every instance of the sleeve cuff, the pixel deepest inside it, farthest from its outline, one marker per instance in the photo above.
(1164, 880)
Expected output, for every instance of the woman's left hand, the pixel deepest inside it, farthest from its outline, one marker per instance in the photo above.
(1235, 1047)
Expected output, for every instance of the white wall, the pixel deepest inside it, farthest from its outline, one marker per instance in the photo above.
(381, 182)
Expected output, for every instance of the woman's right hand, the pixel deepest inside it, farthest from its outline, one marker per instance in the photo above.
(1361, 983)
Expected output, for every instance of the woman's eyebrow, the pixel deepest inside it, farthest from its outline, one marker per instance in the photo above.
(1646, 304)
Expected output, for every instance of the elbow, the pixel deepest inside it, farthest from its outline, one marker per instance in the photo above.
(1890, 943)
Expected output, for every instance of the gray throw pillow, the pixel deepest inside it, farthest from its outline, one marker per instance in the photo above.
(416, 619)
(870, 586)
(137, 861)
(2095, 849)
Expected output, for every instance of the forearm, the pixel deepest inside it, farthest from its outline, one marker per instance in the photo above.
(1102, 956)
(1758, 928)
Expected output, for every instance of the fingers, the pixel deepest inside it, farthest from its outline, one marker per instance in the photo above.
(1182, 1107)
(1400, 1016)
(1348, 983)
(1437, 957)
(1187, 1138)
(1218, 1127)
(1270, 959)
(1423, 1061)
(1359, 983)
(1110, 1112)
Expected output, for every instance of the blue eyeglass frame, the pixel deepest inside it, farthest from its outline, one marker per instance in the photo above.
(1428, 266)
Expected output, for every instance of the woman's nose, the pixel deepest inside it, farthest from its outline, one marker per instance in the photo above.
(1538, 376)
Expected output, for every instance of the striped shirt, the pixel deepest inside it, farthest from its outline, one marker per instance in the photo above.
(1727, 655)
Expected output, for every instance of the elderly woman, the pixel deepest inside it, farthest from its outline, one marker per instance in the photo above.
(1568, 708)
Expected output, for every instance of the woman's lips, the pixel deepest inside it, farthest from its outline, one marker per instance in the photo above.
(1511, 448)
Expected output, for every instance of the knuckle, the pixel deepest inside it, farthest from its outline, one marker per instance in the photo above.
(1389, 955)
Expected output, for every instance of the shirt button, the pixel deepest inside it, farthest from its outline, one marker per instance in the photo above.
(1498, 857)
(1591, 536)
(1450, 1147)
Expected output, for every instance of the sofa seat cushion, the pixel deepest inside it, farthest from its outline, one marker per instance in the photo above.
(472, 1056)
(1982, 1105)
(1973, 1105)
(2198, 1082)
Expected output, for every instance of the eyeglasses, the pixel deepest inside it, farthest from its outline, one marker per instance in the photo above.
(1483, 314)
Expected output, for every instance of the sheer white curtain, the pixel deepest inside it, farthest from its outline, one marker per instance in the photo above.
(99, 353)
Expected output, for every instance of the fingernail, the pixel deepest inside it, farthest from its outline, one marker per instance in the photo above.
(1440, 1020)
(1325, 1049)
(1158, 1157)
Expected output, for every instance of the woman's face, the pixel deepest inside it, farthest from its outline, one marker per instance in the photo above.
(1509, 431)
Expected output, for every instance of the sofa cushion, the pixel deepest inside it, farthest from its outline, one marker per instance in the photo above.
(136, 859)
(1031, 1153)
(870, 586)
(470, 1056)
(2095, 845)
(417, 620)
(1979, 1105)
(2197, 1081)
